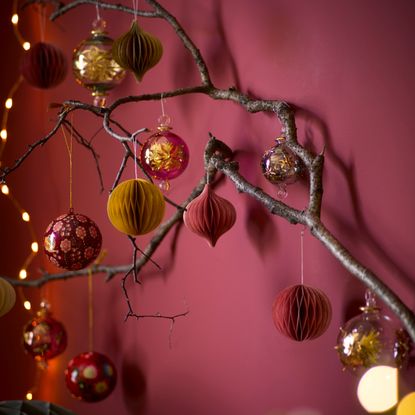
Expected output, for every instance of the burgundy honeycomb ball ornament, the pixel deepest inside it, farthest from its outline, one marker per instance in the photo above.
(44, 337)
(301, 312)
(90, 377)
(44, 65)
(72, 241)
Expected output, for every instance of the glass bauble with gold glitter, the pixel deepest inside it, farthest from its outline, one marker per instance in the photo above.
(93, 65)
(44, 337)
(164, 155)
(372, 339)
(281, 166)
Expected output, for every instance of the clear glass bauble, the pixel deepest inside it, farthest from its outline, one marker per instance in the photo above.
(44, 337)
(281, 166)
(164, 155)
(93, 65)
(371, 339)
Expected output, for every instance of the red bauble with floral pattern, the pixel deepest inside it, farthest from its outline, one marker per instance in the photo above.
(72, 241)
(90, 377)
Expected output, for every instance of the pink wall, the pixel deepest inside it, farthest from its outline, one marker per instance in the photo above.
(346, 69)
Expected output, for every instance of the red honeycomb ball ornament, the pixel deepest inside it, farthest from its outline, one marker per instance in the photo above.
(164, 155)
(44, 337)
(44, 65)
(301, 312)
(72, 241)
(90, 377)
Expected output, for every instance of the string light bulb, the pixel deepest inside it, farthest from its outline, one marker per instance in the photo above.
(25, 216)
(22, 274)
(29, 396)
(15, 18)
(35, 247)
(26, 46)
(9, 103)
(5, 189)
(27, 305)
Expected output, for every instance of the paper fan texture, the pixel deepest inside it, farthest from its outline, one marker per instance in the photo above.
(136, 207)
(7, 296)
(209, 216)
(137, 51)
(32, 408)
(301, 312)
(44, 65)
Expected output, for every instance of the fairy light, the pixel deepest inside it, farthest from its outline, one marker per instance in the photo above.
(22, 274)
(25, 216)
(29, 396)
(26, 45)
(15, 18)
(5, 189)
(35, 247)
(9, 103)
(27, 305)
(3, 134)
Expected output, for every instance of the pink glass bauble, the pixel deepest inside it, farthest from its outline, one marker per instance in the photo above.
(72, 241)
(164, 155)
(44, 337)
(371, 339)
(281, 166)
(44, 65)
(301, 312)
(90, 377)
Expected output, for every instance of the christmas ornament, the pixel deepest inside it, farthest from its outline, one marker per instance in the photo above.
(301, 312)
(137, 51)
(90, 377)
(72, 241)
(209, 216)
(44, 337)
(136, 207)
(93, 65)
(281, 166)
(7, 296)
(32, 408)
(44, 65)
(370, 339)
(164, 155)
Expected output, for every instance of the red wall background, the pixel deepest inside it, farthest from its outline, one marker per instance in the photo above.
(347, 70)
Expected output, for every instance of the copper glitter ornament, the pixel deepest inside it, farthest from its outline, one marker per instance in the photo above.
(281, 166)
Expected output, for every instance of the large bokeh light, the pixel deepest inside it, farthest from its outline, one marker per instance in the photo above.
(378, 389)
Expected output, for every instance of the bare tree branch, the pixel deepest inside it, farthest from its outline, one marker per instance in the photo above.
(310, 217)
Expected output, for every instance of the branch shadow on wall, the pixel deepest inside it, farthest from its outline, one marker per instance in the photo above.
(349, 174)
(134, 387)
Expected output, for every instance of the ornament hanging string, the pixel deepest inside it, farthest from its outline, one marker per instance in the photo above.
(302, 256)
(42, 22)
(162, 105)
(98, 16)
(69, 147)
(135, 7)
(90, 308)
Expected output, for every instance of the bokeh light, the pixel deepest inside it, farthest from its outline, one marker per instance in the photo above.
(378, 389)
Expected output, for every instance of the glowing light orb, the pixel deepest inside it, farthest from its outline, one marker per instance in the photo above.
(378, 389)
(407, 405)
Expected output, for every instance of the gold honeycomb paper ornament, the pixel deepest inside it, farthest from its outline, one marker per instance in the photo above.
(137, 51)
